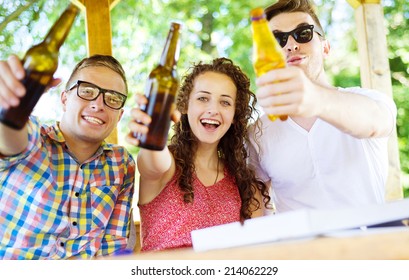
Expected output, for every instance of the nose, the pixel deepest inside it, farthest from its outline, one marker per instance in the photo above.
(98, 104)
(212, 108)
(292, 45)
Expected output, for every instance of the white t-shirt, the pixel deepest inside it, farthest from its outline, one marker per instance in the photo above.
(323, 168)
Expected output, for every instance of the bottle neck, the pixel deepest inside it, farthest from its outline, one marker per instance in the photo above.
(59, 31)
(260, 23)
(170, 54)
(262, 35)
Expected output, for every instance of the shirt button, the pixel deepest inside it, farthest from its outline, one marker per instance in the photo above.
(77, 194)
(74, 223)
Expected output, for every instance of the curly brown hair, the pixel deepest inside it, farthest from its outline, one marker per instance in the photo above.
(231, 147)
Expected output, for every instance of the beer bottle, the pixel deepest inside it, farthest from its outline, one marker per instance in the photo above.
(267, 53)
(161, 89)
(40, 62)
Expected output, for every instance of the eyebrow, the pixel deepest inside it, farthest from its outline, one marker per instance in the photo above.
(208, 92)
(299, 25)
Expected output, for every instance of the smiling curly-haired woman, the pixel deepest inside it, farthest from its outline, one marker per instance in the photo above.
(202, 178)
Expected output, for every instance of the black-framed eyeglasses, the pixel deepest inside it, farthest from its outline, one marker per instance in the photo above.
(88, 91)
(302, 34)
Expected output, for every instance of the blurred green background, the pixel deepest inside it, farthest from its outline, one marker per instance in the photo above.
(211, 29)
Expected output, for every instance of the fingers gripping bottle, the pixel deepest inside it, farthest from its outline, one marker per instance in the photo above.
(161, 89)
(40, 62)
(267, 53)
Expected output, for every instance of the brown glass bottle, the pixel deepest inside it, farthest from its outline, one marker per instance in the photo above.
(40, 62)
(161, 89)
(267, 53)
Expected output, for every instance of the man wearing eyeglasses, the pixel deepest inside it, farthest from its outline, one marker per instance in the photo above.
(64, 191)
(332, 150)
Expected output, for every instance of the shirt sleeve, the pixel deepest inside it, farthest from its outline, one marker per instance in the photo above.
(34, 144)
(117, 231)
(376, 96)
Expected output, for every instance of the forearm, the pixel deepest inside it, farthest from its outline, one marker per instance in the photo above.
(12, 141)
(354, 114)
(153, 164)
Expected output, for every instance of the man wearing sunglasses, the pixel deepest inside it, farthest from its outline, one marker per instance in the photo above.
(332, 150)
(64, 191)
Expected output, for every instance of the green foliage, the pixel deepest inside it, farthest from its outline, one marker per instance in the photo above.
(33, 24)
(211, 28)
(397, 16)
(402, 99)
(346, 78)
(405, 192)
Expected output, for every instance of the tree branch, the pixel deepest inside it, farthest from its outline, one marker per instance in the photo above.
(15, 14)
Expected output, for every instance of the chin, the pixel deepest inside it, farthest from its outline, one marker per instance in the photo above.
(94, 139)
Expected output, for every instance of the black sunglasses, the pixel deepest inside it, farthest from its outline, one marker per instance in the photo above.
(302, 34)
(88, 91)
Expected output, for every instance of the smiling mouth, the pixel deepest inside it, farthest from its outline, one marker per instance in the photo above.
(208, 123)
(93, 120)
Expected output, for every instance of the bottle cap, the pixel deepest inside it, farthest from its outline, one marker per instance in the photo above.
(257, 14)
(175, 24)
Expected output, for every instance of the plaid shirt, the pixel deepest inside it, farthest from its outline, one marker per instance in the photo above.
(51, 207)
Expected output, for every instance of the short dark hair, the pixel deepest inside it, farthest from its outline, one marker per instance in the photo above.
(99, 60)
(291, 6)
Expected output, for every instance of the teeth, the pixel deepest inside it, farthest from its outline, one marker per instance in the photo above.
(207, 121)
(93, 120)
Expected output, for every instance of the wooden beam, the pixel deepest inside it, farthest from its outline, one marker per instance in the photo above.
(375, 74)
(99, 33)
(81, 3)
(356, 3)
(98, 26)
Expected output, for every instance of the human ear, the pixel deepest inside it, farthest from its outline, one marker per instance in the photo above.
(120, 114)
(326, 47)
(64, 98)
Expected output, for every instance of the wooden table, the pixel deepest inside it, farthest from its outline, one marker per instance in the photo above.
(392, 245)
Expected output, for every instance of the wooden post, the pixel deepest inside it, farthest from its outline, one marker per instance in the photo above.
(99, 34)
(375, 74)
